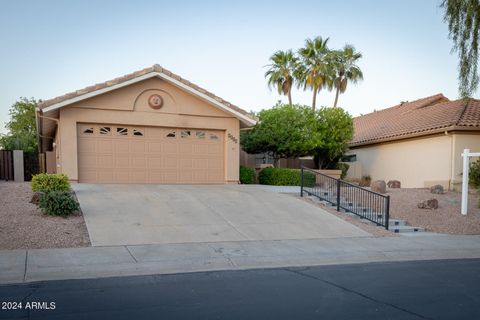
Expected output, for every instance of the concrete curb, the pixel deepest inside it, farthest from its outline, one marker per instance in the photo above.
(18, 266)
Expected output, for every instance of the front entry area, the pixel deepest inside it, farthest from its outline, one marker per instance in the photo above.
(136, 154)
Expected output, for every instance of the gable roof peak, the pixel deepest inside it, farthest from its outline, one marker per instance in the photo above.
(154, 71)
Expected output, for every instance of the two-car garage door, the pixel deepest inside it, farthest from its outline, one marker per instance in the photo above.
(131, 154)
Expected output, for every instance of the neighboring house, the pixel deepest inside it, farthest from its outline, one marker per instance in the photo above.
(150, 126)
(418, 143)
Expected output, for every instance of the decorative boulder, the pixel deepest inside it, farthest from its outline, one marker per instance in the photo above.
(36, 197)
(428, 204)
(379, 186)
(437, 189)
(394, 184)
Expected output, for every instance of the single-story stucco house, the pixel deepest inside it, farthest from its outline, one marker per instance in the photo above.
(418, 143)
(150, 126)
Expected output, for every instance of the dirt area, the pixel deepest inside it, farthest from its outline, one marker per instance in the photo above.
(365, 225)
(24, 226)
(445, 219)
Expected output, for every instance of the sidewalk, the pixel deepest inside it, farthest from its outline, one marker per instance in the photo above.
(95, 262)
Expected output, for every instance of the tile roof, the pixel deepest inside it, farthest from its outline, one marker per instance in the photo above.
(420, 117)
(136, 74)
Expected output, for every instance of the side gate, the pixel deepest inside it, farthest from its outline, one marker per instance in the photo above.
(6, 165)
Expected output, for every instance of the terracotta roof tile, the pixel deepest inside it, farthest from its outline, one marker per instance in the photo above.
(118, 80)
(419, 117)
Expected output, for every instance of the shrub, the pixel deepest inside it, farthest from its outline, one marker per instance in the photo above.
(474, 175)
(47, 182)
(247, 175)
(285, 177)
(58, 203)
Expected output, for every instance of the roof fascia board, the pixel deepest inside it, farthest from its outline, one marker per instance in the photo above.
(414, 135)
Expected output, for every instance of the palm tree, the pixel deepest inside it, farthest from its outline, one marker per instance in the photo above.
(316, 71)
(346, 70)
(281, 72)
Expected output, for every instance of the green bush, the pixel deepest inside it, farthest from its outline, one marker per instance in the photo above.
(285, 177)
(47, 182)
(58, 203)
(474, 175)
(247, 175)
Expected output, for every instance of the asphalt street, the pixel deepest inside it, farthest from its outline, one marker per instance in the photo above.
(447, 289)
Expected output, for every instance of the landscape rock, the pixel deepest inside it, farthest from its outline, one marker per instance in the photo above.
(35, 197)
(379, 186)
(394, 184)
(437, 189)
(428, 204)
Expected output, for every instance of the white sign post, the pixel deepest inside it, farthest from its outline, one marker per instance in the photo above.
(466, 168)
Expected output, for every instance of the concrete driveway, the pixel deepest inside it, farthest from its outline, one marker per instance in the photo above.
(146, 214)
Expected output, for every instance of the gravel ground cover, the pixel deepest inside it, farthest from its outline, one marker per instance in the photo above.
(403, 205)
(24, 226)
(445, 219)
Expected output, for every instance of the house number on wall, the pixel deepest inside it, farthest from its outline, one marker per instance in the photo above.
(231, 137)
(155, 101)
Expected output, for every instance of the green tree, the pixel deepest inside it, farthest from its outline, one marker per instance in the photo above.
(316, 69)
(22, 130)
(463, 19)
(346, 70)
(280, 74)
(284, 131)
(333, 132)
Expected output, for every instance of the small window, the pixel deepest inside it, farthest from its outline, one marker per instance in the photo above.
(137, 132)
(171, 134)
(349, 158)
(88, 131)
(122, 131)
(185, 134)
(105, 130)
(200, 134)
(213, 136)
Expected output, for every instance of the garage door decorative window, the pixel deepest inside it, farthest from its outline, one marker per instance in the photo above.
(88, 130)
(185, 134)
(105, 130)
(137, 132)
(213, 136)
(200, 134)
(171, 134)
(122, 131)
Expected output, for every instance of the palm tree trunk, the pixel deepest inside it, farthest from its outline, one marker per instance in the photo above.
(290, 97)
(314, 98)
(336, 98)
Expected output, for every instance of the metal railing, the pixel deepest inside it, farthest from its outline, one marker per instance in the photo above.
(365, 203)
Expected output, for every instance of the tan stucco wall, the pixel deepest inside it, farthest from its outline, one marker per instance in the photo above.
(128, 106)
(416, 163)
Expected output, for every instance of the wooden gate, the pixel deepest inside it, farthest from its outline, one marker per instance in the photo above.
(31, 165)
(6, 165)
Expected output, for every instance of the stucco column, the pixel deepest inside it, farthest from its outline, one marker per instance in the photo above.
(18, 171)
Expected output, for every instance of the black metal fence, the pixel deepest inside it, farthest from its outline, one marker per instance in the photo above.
(365, 203)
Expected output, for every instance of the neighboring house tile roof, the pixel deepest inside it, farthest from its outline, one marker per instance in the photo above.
(420, 117)
(136, 74)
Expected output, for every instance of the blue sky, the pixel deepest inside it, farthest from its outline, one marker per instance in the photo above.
(52, 47)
